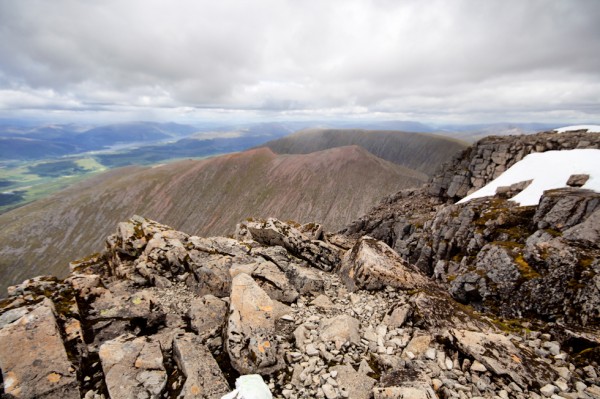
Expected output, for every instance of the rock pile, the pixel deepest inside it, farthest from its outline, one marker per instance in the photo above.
(161, 314)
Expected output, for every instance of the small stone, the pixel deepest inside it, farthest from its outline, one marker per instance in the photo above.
(580, 386)
(478, 367)
(430, 353)
(548, 390)
(311, 350)
(330, 392)
(449, 363)
(561, 356)
(561, 385)
(589, 370)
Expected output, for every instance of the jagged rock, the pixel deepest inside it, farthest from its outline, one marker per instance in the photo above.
(33, 359)
(250, 328)
(586, 233)
(372, 265)
(274, 232)
(204, 378)
(207, 316)
(133, 367)
(210, 273)
(503, 357)
(563, 208)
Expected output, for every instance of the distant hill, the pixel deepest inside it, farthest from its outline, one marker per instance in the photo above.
(419, 151)
(206, 197)
(27, 148)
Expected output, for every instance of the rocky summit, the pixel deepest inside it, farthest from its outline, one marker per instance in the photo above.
(161, 314)
(421, 298)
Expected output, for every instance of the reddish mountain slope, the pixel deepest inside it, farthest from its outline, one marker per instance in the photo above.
(206, 197)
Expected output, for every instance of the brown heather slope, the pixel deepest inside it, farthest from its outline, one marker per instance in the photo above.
(418, 151)
(206, 197)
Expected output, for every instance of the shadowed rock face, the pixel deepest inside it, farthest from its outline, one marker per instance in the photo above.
(154, 316)
(206, 197)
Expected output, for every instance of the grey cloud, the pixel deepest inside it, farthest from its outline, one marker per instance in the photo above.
(422, 58)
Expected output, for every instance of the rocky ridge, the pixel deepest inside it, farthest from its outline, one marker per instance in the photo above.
(161, 314)
(538, 262)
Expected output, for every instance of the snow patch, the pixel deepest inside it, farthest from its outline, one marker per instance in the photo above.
(548, 170)
(249, 386)
(589, 128)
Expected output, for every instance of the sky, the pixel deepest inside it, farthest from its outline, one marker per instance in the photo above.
(446, 61)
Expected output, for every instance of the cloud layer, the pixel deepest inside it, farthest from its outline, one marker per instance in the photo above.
(437, 60)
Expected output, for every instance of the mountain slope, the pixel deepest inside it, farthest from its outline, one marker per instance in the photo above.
(418, 151)
(206, 197)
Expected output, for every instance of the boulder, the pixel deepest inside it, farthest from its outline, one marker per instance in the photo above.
(373, 265)
(33, 358)
(250, 339)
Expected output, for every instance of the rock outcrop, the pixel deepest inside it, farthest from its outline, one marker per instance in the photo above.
(491, 156)
(536, 262)
(163, 314)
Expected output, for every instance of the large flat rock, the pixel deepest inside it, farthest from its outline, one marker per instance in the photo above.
(33, 358)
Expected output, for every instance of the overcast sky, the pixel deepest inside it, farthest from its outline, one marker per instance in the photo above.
(431, 61)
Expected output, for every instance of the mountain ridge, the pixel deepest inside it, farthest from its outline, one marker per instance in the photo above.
(419, 151)
(206, 197)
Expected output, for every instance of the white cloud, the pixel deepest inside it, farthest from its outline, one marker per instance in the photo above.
(436, 59)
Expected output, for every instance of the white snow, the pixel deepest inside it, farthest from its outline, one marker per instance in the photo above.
(548, 170)
(589, 128)
(249, 386)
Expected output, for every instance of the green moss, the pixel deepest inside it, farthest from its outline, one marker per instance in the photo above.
(586, 261)
(526, 271)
